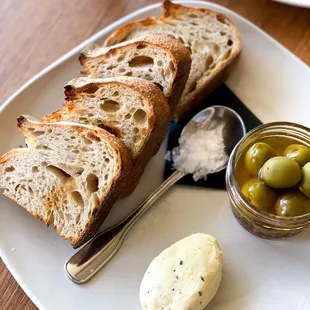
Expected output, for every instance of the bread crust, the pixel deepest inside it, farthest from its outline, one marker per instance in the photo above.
(172, 11)
(117, 189)
(119, 182)
(159, 118)
(179, 54)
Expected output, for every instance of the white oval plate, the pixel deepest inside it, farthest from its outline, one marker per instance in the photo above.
(301, 3)
(258, 274)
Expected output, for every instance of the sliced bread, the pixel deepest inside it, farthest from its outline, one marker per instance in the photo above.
(214, 41)
(133, 109)
(158, 58)
(68, 176)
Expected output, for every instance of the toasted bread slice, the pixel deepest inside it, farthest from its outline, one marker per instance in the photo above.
(133, 109)
(69, 176)
(213, 39)
(158, 58)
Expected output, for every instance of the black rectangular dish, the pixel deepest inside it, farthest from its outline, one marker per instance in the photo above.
(221, 96)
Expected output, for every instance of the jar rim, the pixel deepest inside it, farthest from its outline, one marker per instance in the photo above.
(231, 175)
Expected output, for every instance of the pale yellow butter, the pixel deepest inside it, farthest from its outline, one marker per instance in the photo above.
(185, 276)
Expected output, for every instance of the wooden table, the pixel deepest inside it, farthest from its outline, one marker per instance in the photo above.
(34, 33)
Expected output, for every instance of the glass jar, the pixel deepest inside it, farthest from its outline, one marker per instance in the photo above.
(255, 221)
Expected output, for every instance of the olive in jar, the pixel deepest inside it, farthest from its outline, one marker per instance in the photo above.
(280, 172)
(260, 195)
(293, 203)
(305, 180)
(298, 152)
(257, 155)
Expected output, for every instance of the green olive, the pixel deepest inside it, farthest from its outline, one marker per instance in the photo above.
(280, 172)
(292, 204)
(299, 153)
(305, 180)
(257, 155)
(260, 195)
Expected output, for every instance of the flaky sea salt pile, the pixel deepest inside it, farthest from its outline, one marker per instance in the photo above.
(200, 153)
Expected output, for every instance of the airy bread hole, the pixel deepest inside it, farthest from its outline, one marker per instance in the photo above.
(42, 147)
(221, 19)
(121, 69)
(93, 137)
(136, 130)
(171, 66)
(103, 126)
(59, 173)
(111, 67)
(77, 219)
(35, 169)
(192, 86)
(111, 53)
(110, 106)
(194, 24)
(18, 187)
(230, 42)
(82, 119)
(115, 94)
(209, 61)
(159, 63)
(159, 86)
(141, 61)
(107, 160)
(110, 129)
(77, 197)
(91, 89)
(216, 48)
(128, 73)
(31, 129)
(127, 116)
(86, 149)
(87, 141)
(181, 40)
(141, 46)
(96, 201)
(79, 171)
(192, 15)
(95, 210)
(139, 116)
(120, 58)
(226, 54)
(9, 169)
(43, 163)
(92, 183)
(222, 33)
(38, 133)
(106, 176)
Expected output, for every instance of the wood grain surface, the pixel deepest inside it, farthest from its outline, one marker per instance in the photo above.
(34, 33)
